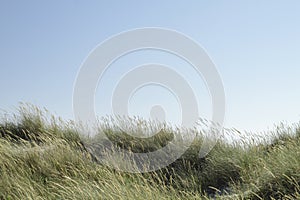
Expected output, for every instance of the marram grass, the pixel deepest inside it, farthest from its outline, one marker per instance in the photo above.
(43, 157)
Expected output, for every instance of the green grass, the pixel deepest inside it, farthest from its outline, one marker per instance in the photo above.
(43, 157)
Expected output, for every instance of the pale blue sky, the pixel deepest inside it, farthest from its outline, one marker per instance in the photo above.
(254, 44)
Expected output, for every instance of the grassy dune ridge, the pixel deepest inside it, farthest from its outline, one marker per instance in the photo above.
(43, 157)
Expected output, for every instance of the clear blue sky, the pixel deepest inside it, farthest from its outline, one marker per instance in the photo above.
(255, 45)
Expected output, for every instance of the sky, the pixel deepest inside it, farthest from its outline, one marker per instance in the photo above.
(255, 46)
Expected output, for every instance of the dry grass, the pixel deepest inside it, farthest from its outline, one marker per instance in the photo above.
(43, 157)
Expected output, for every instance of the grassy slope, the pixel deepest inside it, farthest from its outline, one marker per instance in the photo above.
(44, 158)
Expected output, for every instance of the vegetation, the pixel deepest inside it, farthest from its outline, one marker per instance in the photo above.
(43, 157)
